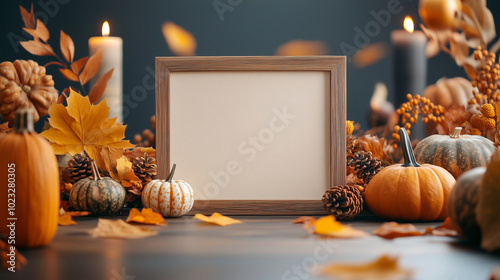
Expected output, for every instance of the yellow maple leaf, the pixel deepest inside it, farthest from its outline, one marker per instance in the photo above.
(329, 227)
(146, 216)
(82, 126)
(65, 220)
(385, 267)
(217, 219)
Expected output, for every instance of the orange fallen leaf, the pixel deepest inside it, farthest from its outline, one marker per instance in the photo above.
(179, 40)
(79, 213)
(304, 219)
(301, 48)
(139, 152)
(5, 249)
(120, 229)
(329, 227)
(217, 219)
(445, 229)
(146, 216)
(383, 268)
(391, 230)
(65, 220)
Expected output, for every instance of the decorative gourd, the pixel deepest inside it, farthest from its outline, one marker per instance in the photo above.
(24, 84)
(410, 191)
(169, 198)
(463, 203)
(98, 195)
(488, 206)
(29, 164)
(447, 92)
(439, 14)
(455, 153)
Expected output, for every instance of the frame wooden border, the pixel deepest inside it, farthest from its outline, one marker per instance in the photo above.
(335, 65)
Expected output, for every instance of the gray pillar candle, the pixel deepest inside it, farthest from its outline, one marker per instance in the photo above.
(410, 62)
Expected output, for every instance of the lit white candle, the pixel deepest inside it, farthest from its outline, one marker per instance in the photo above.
(112, 57)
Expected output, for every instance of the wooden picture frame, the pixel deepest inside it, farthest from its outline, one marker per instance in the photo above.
(205, 104)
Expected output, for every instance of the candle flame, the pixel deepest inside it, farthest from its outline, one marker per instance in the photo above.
(408, 24)
(105, 29)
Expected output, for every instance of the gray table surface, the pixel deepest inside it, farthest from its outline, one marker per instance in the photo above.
(260, 248)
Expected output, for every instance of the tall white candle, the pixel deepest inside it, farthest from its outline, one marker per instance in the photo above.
(112, 57)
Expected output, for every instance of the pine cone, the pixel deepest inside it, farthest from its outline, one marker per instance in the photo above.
(144, 168)
(365, 166)
(79, 167)
(343, 202)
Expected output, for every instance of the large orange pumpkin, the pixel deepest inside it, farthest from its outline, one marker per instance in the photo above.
(410, 191)
(29, 184)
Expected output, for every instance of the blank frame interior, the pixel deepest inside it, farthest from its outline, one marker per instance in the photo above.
(252, 128)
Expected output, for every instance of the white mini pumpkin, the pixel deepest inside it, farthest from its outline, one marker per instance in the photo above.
(171, 198)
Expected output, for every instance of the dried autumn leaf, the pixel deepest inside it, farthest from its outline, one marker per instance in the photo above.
(82, 126)
(67, 47)
(53, 63)
(375, 145)
(109, 157)
(4, 128)
(37, 48)
(69, 75)
(120, 229)
(329, 227)
(217, 219)
(383, 268)
(454, 116)
(301, 48)
(370, 54)
(179, 40)
(304, 220)
(28, 17)
(391, 230)
(146, 216)
(20, 260)
(65, 220)
(125, 174)
(445, 229)
(91, 67)
(99, 87)
(78, 65)
(78, 213)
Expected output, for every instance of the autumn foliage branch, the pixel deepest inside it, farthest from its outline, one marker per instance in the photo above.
(79, 71)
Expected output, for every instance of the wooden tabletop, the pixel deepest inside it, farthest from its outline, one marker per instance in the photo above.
(260, 248)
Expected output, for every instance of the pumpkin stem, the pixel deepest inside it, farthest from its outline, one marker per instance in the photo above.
(97, 176)
(169, 178)
(23, 121)
(456, 132)
(408, 154)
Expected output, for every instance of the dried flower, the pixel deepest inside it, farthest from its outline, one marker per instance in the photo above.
(475, 131)
(349, 127)
(488, 111)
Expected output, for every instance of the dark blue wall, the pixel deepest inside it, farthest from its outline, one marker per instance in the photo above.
(252, 27)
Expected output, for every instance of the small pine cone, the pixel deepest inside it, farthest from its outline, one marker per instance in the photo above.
(365, 166)
(79, 167)
(144, 168)
(343, 202)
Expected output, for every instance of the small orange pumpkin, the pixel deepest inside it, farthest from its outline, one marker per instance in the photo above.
(29, 184)
(410, 191)
(169, 198)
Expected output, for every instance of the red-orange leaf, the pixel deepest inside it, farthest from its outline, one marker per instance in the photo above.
(42, 31)
(28, 17)
(54, 63)
(67, 47)
(77, 66)
(37, 48)
(391, 230)
(99, 87)
(69, 75)
(92, 66)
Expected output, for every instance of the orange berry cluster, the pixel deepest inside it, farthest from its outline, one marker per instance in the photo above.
(487, 81)
(484, 121)
(416, 106)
